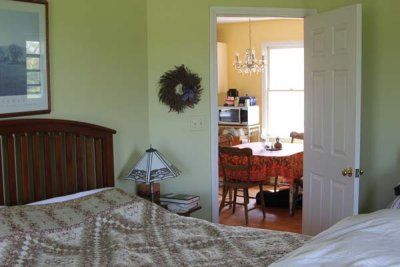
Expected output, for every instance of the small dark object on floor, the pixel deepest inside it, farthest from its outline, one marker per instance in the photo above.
(397, 190)
(278, 199)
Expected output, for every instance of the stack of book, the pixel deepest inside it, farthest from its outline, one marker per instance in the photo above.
(179, 203)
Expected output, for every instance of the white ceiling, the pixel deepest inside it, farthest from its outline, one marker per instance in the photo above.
(221, 20)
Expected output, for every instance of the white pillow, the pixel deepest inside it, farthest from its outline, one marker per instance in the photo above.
(396, 203)
(69, 197)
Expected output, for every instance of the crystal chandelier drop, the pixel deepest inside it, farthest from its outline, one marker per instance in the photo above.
(250, 64)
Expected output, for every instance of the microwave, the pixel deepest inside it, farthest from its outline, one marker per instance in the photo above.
(239, 115)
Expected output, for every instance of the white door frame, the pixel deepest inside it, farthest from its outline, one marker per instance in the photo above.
(233, 12)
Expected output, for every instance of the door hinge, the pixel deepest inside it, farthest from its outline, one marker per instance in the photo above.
(359, 172)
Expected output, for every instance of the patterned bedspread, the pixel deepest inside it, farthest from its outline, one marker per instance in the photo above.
(111, 228)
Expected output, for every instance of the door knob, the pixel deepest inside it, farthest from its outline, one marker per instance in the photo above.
(347, 172)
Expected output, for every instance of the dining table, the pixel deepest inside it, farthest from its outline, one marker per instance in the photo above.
(286, 163)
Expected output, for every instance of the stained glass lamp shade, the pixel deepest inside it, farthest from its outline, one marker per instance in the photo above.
(152, 167)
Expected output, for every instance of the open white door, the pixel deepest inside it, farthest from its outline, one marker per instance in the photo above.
(332, 51)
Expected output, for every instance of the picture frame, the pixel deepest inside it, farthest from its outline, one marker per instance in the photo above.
(24, 58)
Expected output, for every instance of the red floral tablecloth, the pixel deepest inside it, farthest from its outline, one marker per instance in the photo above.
(287, 162)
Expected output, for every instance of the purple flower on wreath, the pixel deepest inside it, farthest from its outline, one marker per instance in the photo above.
(188, 94)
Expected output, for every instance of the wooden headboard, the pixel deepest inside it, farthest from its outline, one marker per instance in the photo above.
(44, 158)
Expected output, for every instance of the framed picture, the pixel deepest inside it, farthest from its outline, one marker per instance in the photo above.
(24, 58)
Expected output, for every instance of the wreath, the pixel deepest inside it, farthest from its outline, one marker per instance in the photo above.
(179, 89)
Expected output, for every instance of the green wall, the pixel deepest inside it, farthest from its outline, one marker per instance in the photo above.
(98, 57)
(178, 33)
(107, 56)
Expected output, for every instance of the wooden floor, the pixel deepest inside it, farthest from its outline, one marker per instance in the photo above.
(275, 218)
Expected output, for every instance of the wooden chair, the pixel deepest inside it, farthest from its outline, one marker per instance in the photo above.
(299, 183)
(296, 135)
(238, 174)
(225, 140)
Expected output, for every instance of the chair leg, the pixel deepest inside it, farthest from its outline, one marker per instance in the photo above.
(246, 201)
(224, 193)
(295, 195)
(262, 200)
(276, 183)
(230, 197)
(234, 199)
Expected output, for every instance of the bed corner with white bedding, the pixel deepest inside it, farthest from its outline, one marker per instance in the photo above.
(362, 240)
(69, 197)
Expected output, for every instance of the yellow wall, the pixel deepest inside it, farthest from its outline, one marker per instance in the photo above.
(235, 35)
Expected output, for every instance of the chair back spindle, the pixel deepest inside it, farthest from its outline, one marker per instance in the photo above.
(235, 163)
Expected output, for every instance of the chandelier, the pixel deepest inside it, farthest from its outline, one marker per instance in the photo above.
(250, 64)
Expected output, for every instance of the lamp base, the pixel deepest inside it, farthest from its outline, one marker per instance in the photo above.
(144, 191)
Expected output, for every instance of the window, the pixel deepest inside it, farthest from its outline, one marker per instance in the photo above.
(33, 69)
(285, 90)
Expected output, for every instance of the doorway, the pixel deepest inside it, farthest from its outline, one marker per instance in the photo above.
(279, 102)
(232, 12)
(332, 142)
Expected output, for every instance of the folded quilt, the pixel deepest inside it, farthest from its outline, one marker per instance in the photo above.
(111, 228)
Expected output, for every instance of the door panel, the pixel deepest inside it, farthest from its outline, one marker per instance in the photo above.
(316, 186)
(318, 95)
(340, 40)
(332, 96)
(339, 112)
(338, 191)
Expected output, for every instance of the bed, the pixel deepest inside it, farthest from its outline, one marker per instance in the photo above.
(43, 159)
(59, 207)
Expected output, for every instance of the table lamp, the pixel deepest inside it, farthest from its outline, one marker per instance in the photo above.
(152, 167)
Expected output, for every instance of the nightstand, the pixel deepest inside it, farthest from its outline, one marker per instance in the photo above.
(186, 213)
(180, 203)
(189, 212)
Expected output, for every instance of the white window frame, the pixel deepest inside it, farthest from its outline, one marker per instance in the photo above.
(265, 85)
